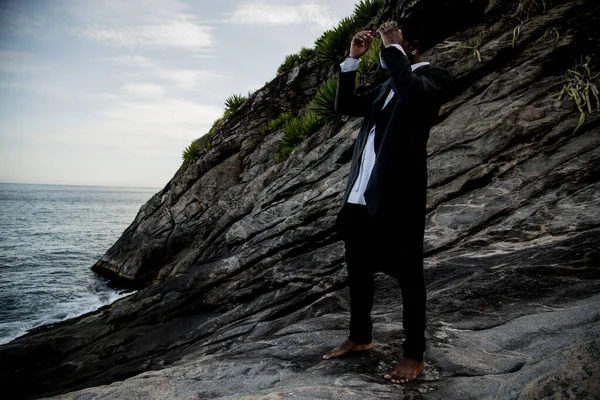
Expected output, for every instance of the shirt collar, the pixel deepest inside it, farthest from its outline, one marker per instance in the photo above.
(413, 66)
(419, 65)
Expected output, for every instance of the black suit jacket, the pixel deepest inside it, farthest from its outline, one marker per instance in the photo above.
(396, 191)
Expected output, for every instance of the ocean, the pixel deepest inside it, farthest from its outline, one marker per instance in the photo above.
(50, 236)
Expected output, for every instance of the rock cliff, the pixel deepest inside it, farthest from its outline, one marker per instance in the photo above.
(241, 277)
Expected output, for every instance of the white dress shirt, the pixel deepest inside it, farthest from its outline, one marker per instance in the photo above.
(357, 194)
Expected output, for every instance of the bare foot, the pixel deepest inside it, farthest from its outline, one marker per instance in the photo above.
(407, 370)
(347, 347)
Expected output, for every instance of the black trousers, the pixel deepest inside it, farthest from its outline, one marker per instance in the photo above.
(370, 249)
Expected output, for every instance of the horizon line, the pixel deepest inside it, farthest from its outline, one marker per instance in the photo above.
(80, 184)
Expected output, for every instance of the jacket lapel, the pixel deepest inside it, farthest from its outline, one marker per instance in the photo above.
(375, 110)
(379, 101)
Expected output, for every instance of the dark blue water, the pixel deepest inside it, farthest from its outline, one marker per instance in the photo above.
(50, 236)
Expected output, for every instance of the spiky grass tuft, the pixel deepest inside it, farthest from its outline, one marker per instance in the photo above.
(323, 104)
(294, 132)
(366, 11)
(307, 53)
(523, 11)
(232, 103)
(291, 61)
(333, 44)
(277, 123)
(216, 125)
(369, 64)
(580, 85)
(473, 45)
(192, 152)
(311, 123)
(548, 34)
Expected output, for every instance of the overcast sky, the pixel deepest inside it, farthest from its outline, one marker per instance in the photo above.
(110, 92)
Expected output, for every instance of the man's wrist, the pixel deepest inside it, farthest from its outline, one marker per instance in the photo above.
(350, 64)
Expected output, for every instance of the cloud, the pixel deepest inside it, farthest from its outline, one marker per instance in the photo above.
(138, 24)
(140, 118)
(133, 60)
(143, 90)
(182, 33)
(18, 62)
(152, 125)
(275, 13)
(183, 79)
(43, 88)
(22, 20)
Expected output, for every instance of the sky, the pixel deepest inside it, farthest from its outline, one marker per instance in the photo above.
(110, 92)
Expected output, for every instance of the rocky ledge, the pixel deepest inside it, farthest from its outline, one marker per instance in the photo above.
(241, 275)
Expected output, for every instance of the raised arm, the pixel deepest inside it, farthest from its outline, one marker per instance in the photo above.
(411, 88)
(346, 101)
(408, 85)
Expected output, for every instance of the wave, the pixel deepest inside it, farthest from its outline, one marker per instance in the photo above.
(80, 305)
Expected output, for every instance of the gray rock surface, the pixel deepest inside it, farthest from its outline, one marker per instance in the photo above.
(241, 274)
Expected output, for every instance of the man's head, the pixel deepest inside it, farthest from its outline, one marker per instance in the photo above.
(411, 35)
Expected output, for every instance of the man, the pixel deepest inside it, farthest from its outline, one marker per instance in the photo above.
(382, 219)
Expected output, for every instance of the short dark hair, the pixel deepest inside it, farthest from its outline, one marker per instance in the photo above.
(410, 29)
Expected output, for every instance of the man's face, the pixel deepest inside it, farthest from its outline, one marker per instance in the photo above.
(405, 44)
(409, 46)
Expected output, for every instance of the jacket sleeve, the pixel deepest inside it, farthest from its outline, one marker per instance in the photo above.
(347, 102)
(409, 86)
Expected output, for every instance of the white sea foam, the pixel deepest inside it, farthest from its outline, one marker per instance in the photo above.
(61, 312)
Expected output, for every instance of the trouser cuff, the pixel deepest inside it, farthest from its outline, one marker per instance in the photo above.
(413, 355)
(360, 340)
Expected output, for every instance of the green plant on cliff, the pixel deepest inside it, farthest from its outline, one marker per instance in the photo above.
(366, 11)
(192, 152)
(311, 123)
(550, 33)
(306, 53)
(332, 46)
(580, 85)
(369, 63)
(473, 45)
(216, 125)
(523, 11)
(293, 60)
(276, 124)
(232, 103)
(320, 111)
(517, 31)
(323, 104)
(294, 132)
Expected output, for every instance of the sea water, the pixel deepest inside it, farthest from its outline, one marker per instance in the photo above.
(50, 236)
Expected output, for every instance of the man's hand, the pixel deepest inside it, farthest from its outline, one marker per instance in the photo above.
(390, 33)
(360, 44)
